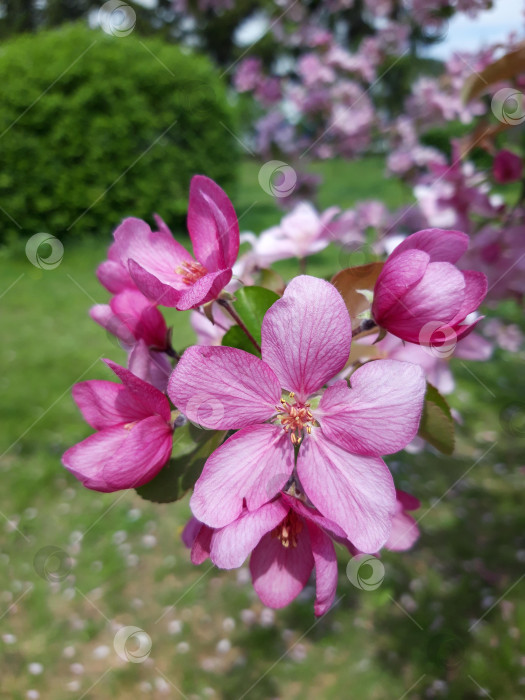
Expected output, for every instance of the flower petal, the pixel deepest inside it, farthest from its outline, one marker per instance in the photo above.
(233, 544)
(437, 298)
(223, 388)
(380, 414)
(142, 317)
(105, 317)
(151, 399)
(205, 289)
(106, 404)
(355, 492)
(280, 573)
(119, 457)
(399, 274)
(151, 366)
(325, 569)
(306, 335)
(475, 291)
(254, 464)
(159, 292)
(212, 224)
(146, 449)
(442, 245)
(404, 533)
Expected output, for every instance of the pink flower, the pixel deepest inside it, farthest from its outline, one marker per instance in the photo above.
(286, 540)
(131, 317)
(134, 435)
(162, 268)
(404, 528)
(507, 167)
(305, 342)
(421, 296)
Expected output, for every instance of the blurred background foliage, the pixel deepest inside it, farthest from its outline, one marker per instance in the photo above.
(122, 131)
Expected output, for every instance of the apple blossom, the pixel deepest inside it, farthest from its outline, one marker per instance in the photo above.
(305, 342)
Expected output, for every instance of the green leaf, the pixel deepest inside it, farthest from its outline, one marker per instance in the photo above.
(437, 424)
(236, 338)
(251, 304)
(191, 451)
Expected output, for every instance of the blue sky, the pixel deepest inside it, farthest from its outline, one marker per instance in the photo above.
(470, 34)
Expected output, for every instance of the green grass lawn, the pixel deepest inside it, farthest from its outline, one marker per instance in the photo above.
(447, 622)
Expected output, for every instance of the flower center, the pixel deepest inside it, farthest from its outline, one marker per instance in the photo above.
(191, 271)
(295, 418)
(288, 530)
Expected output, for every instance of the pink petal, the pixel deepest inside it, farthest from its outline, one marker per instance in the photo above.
(142, 317)
(313, 515)
(397, 277)
(156, 252)
(190, 532)
(406, 501)
(114, 276)
(152, 400)
(355, 492)
(435, 299)
(224, 388)
(441, 245)
(205, 289)
(280, 573)
(106, 404)
(325, 569)
(254, 464)
(233, 544)
(105, 317)
(380, 414)
(212, 224)
(200, 550)
(475, 291)
(159, 292)
(404, 533)
(151, 366)
(306, 335)
(121, 457)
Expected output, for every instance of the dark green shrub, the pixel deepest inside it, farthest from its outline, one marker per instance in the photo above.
(95, 127)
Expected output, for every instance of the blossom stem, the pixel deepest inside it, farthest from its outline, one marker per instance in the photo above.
(238, 320)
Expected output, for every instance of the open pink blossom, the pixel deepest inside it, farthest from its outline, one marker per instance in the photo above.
(162, 268)
(507, 167)
(421, 296)
(131, 317)
(134, 434)
(286, 540)
(305, 342)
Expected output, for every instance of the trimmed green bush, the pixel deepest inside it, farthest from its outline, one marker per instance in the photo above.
(94, 128)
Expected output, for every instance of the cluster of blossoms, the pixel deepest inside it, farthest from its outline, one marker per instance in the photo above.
(302, 421)
(330, 98)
